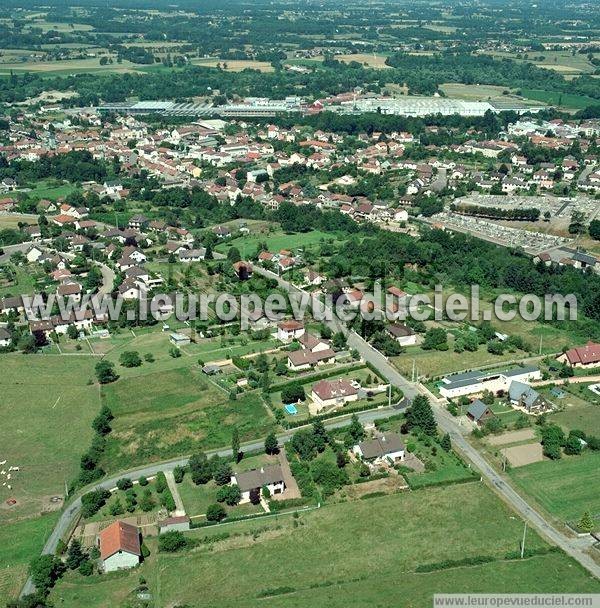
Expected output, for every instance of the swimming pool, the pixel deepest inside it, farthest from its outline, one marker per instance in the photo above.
(291, 409)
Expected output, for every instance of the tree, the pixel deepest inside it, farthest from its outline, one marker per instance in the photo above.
(124, 484)
(222, 473)
(573, 445)
(172, 541)
(271, 444)
(72, 332)
(75, 555)
(130, 358)
(255, 496)
(200, 469)
(586, 523)
(435, 339)
(594, 229)
(235, 444)
(339, 341)
(229, 494)
(215, 512)
(146, 501)
(178, 474)
(86, 568)
(356, 430)
(233, 255)
(420, 415)
(292, 393)
(45, 571)
(446, 443)
(105, 372)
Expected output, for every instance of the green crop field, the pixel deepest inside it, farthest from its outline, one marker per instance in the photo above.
(566, 100)
(372, 549)
(566, 488)
(47, 407)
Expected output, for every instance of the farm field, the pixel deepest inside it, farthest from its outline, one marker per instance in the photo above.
(67, 66)
(19, 542)
(563, 62)
(475, 92)
(275, 241)
(47, 407)
(51, 191)
(567, 100)
(371, 61)
(235, 65)
(432, 530)
(167, 413)
(566, 488)
(12, 220)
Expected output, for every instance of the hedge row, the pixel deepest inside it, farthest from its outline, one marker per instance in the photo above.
(442, 482)
(322, 376)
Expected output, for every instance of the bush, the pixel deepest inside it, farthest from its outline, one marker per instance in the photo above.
(143, 481)
(130, 358)
(178, 474)
(124, 484)
(171, 542)
(230, 495)
(215, 512)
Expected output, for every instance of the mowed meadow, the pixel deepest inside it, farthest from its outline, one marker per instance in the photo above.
(372, 548)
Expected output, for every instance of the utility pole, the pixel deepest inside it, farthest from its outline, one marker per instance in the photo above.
(413, 370)
(390, 394)
(523, 541)
(541, 338)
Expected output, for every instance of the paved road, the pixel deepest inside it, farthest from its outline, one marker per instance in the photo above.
(449, 425)
(71, 513)
(573, 546)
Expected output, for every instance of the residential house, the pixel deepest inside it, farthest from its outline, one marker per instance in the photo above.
(329, 393)
(403, 334)
(478, 381)
(386, 447)
(585, 357)
(479, 412)
(289, 330)
(524, 396)
(271, 477)
(120, 546)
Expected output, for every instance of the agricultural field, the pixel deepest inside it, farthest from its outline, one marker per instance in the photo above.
(563, 62)
(275, 241)
(48, 403)
(566, 100)
(368, 60)
(19, 541)
(476, 92)
(161, 414)
(234, 65)
(566, 488)
(432, 529)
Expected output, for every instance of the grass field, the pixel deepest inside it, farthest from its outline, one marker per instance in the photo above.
(371, 61)
(565, 488)
(581, 409)
(474, 92)
(275, 241)
(19, 543)
(47, 407)
(167, 413)
(566, 100)
(372, 548)
(51, 191)
(235, 65)
(13, 220)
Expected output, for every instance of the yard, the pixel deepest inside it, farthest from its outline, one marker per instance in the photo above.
(276, 240)
(280, 558)
(566, 488)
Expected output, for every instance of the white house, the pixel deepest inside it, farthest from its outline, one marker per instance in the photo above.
(385, 447)
(328, 393)
(34, 254)
(289, 330)
(119, 546)
(478, 381)
(270, 477)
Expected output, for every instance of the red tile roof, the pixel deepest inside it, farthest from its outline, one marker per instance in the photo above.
(584, 355)
(119, 537)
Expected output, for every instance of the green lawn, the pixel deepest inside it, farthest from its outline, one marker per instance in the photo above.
(19, 543)
(580, 409)
(174, 412)
(276, 241)
(52, 191)
(566, 488)
(47, 407)
(371, 548)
